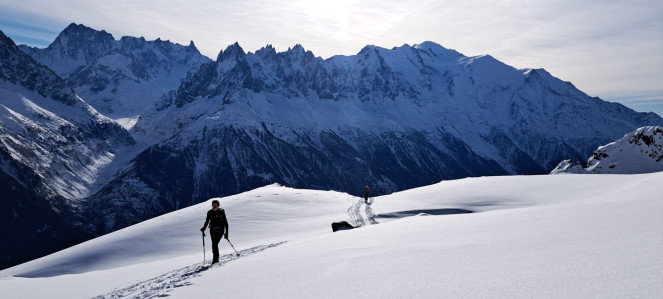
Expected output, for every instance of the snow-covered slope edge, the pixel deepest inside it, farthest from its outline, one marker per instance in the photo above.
(638, 152)
(542, 236)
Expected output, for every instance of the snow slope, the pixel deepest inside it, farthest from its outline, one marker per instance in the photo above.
(640, 151)
(529, 236)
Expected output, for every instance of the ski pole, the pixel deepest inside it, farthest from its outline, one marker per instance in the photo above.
(203, 247)
(231, 245)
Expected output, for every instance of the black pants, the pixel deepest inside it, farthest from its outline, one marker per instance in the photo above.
(216, 237)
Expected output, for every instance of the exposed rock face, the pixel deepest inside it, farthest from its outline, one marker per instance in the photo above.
(638, 152)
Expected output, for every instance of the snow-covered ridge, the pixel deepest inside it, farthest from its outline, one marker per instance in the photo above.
(638, 152)
(78, 46)
(20, 69)
(120, 78)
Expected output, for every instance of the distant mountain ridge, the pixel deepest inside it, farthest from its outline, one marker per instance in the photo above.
(120, 78)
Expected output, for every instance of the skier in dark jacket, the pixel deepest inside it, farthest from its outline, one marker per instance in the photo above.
(218, 226)
(366, 192)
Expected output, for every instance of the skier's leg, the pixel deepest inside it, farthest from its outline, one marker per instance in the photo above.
(216, 237)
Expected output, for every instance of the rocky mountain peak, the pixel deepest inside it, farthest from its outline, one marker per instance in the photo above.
(78, 41)
(78, 31)
(118, 78)
(232, 52)
(192, 47)
(129, 43)
(266, 52)
(434, 48)
(366, 49)
(640, 151)
(297, 49)
(18, 68)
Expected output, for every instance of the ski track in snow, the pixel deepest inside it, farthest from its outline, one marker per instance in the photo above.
(359, 216)
(353, 213)
(370, 215)
(159, 286)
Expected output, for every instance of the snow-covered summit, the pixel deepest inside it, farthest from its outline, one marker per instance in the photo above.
(433, 46)
(76, 46)
(638, 152)
(120, 78)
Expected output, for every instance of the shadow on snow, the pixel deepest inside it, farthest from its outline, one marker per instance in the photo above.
(436, 212)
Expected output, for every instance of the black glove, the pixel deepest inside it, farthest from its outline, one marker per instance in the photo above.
(225, 236)
(202, 229)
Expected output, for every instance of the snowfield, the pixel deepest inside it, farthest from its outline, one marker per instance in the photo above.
(578, 236)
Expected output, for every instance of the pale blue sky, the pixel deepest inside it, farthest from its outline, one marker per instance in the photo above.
(609, 49)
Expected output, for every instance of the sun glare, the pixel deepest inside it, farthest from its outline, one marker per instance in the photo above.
(326, 9)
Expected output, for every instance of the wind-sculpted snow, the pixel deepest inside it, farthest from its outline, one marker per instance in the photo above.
(161, 285)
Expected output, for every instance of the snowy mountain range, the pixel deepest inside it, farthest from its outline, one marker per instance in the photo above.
(120, 78)
(390, 118)
(393, 119)
(638, 152)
